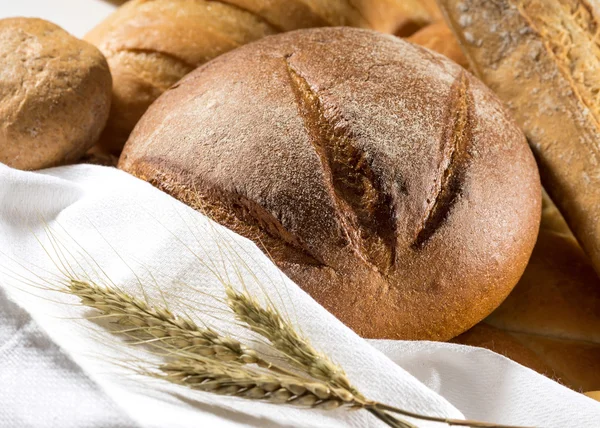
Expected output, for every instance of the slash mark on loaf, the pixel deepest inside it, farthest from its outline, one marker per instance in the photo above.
(366, 212)
(456, 140)
(232, 210)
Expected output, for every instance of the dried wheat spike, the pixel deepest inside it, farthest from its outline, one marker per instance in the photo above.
(298, 351)
(157, 324)
(234, 379)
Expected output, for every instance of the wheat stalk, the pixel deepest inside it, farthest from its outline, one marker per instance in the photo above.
(207, 361)
(176, 332)
(269, 323)
(236, 380)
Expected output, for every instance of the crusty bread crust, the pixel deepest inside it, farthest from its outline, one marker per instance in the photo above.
(383, 178)
(439, 38)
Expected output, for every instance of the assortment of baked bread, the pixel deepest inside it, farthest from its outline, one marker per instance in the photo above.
(383, 177)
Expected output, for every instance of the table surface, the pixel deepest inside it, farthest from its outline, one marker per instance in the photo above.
(75, 16)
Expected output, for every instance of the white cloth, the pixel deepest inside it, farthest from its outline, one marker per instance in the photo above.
(71, 373)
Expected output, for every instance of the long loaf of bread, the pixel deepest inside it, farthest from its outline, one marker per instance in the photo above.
(542, 58)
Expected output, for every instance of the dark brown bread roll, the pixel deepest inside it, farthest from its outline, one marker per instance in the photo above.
(384, 179)
(150, 45)
(54, 94)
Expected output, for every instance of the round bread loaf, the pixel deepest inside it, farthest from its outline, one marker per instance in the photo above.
(384, 179)
(55, 93)
(150, 45)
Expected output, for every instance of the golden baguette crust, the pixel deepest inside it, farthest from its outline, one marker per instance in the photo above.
(432, 9)
(395, 189)
(551, 320)
(542, 59)
(54, 94)
(151, 44)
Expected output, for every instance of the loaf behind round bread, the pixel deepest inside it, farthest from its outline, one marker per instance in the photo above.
(150, 45)
(384, 179)
(439, 38)
(54, 94)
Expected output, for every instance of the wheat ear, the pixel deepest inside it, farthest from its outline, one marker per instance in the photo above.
(158, 324)
(298, 351)
(236, 380)
(214, 363)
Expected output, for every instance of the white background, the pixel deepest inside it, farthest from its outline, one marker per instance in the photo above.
(75, 16)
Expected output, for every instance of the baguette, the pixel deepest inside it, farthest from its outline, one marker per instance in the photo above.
(542, 58)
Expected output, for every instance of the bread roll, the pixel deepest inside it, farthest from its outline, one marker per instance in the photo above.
(438, 37)
(551, 320)
(54, 94)
(383, 178)
(150, 45)
(97, 156)
(542, 58)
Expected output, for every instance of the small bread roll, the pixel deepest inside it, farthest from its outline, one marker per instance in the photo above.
(383, 178)
(438, 37)
(150, 45)
(55, 93)
(551, 320)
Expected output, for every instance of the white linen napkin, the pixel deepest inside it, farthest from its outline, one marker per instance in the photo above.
(134, 231)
